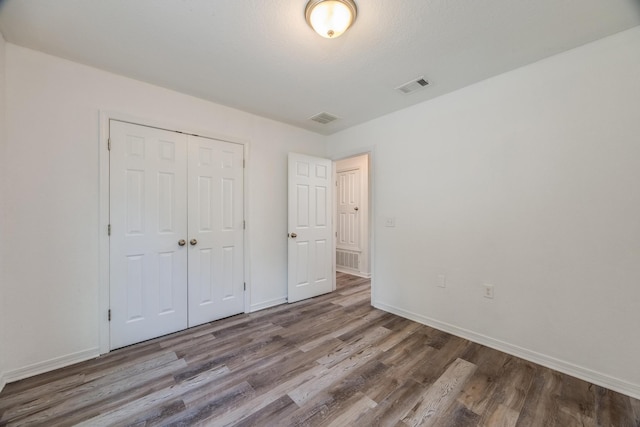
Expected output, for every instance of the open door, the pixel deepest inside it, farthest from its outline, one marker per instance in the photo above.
(311, 245)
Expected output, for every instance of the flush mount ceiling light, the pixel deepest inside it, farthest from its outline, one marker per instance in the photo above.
(330, 18)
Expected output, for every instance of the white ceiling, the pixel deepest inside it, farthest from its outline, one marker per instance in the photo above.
(260, 56)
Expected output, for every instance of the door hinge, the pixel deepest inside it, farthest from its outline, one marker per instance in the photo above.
(245, 286)
(109, 230)
(109, 315)
(244, 224)
(109, 144)
(244, 164)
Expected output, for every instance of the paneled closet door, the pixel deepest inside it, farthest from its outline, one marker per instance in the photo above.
(148, 217)
(216, 230)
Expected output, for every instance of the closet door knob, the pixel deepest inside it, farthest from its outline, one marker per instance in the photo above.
(193, 242)
(182, 242)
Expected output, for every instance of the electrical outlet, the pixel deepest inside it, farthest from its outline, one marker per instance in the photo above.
(488, 291)
(442, 281)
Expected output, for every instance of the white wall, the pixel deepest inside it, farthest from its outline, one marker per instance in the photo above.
(52, 250)
(3, 158)
(529, 181)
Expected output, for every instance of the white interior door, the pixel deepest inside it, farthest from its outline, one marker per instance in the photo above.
(148, 217)
(216, 276)
(349, 210)
(311, 245)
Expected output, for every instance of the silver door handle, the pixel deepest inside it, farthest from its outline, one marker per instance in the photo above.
(193, 242)
(356, 208)
(182, 242)
(293, 235)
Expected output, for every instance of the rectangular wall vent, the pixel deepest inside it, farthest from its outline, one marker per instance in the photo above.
(347, 259)
(413, 85)
(323, 118)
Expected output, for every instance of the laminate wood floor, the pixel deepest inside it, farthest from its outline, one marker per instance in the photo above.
(329, 361)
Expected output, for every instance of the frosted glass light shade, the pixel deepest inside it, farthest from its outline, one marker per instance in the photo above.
(330, 18)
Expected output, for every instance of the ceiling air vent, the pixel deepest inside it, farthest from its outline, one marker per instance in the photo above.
(323, 118)
(413, 85)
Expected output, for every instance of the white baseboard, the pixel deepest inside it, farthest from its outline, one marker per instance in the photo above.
(3, 381)
(50, 365)
(353, 272)
(267, 304)
(598, 378)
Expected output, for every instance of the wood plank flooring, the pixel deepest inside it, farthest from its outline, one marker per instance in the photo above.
(329, 361)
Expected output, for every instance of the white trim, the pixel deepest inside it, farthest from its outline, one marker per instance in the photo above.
(3, 381)
(334, 225)
(247, 230)
(598, 378)
(353, 272)
(168, 125)
(268, 304)
(103, 262)
(51, 364)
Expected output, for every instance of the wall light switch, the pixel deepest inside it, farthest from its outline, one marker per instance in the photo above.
(488, 291)
(390, 221)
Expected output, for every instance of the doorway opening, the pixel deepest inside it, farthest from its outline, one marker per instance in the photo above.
(353, 253)
(322, 250)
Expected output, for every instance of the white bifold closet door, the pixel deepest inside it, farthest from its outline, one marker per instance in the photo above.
(176, 244)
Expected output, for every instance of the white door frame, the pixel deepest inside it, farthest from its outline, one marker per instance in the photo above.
(370, 151)
(103, 239)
